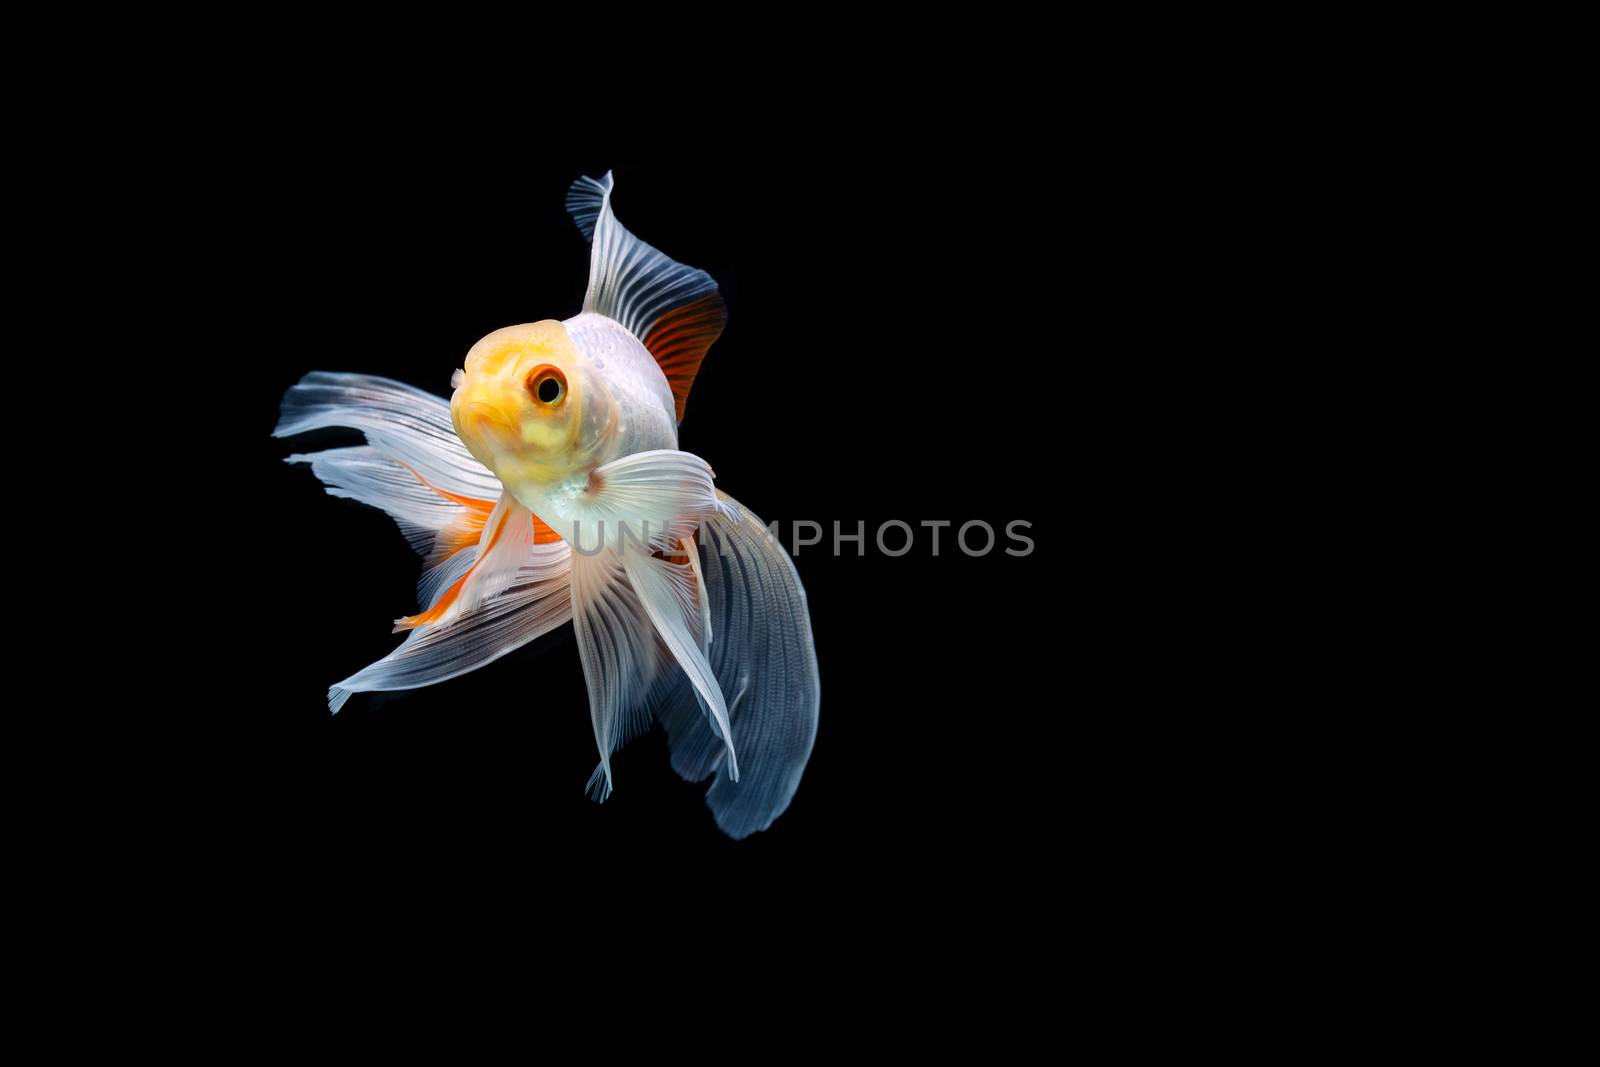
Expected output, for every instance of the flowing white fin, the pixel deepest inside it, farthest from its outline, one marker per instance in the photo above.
(366, 474)
(623, 599)
(676, 311)
(618, 650)
(668, 593)
(402, 422)
(414, 466)
(508, 538)
(701, 605)
(650, 498)
(447, 572)
(764, 660)
(535, 602)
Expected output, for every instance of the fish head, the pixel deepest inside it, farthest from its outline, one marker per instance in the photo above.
(530, 408)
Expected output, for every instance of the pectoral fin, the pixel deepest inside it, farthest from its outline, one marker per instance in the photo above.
(653, 499)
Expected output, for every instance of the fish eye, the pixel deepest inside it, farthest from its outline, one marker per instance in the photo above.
(547, 384)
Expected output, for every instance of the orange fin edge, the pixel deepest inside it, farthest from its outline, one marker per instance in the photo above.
(680, 338)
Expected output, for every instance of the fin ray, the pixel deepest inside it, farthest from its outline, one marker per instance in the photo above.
(766, 664)
(675, 310)
(618, 651)
(654, 497)
(535, 602)
(666, 590)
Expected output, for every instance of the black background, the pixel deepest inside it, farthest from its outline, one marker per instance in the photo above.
(898, 348)
(1020, 286)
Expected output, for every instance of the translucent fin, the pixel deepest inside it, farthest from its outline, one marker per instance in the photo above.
(764, 660)
(463, 532)
(535, 601)
(436, 579)
(667, 592)
(656, 497)
(675, 310)
(701, 605)
(618, 650)
(508, 538)
(367, 474)
(404, 424)
(441, 512)
(416, 468)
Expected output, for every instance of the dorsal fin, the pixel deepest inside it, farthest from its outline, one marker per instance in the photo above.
(676, 311)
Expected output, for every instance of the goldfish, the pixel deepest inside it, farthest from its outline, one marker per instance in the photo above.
(550, 489)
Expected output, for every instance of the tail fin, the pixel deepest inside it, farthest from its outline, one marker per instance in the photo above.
(763, 657)
(675, 311)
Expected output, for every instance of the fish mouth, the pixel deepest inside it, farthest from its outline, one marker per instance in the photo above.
(482, 424)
